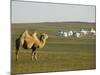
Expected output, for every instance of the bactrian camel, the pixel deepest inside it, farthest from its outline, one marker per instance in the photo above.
(27, 41)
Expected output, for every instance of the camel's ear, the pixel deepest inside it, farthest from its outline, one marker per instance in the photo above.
(42, 37)
(46, 33)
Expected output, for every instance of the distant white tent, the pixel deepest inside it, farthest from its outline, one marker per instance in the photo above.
(78, 35)
(84, 32)
(92, 31)
(70, 33)
(65, 34)
(62, 34)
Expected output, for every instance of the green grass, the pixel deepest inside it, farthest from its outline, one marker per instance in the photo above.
(59, 54)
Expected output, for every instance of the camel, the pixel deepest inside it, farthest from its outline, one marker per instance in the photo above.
(27, 41)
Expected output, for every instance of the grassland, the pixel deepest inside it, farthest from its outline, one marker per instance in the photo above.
(59, 54)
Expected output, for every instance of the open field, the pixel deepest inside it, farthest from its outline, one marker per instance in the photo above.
(59, 54)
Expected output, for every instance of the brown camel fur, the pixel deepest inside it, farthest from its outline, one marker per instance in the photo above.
(27, 41)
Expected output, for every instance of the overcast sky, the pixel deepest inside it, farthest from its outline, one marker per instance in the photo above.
(23, 12)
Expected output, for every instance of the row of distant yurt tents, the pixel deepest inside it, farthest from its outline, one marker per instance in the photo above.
(77, 34)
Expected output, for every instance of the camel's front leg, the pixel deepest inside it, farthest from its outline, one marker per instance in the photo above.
(33, 53)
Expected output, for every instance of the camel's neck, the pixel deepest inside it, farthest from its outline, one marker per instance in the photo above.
(42, 43)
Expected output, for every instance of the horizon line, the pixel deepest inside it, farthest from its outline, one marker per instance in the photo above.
(55, 21)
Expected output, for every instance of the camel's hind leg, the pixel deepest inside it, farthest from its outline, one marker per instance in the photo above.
(17, 52)
(17, 47)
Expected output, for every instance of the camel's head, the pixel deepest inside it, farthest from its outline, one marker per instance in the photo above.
(44, 36)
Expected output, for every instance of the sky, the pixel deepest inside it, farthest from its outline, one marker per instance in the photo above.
(33, 12)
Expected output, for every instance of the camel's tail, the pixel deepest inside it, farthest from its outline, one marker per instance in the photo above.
(17, 43)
